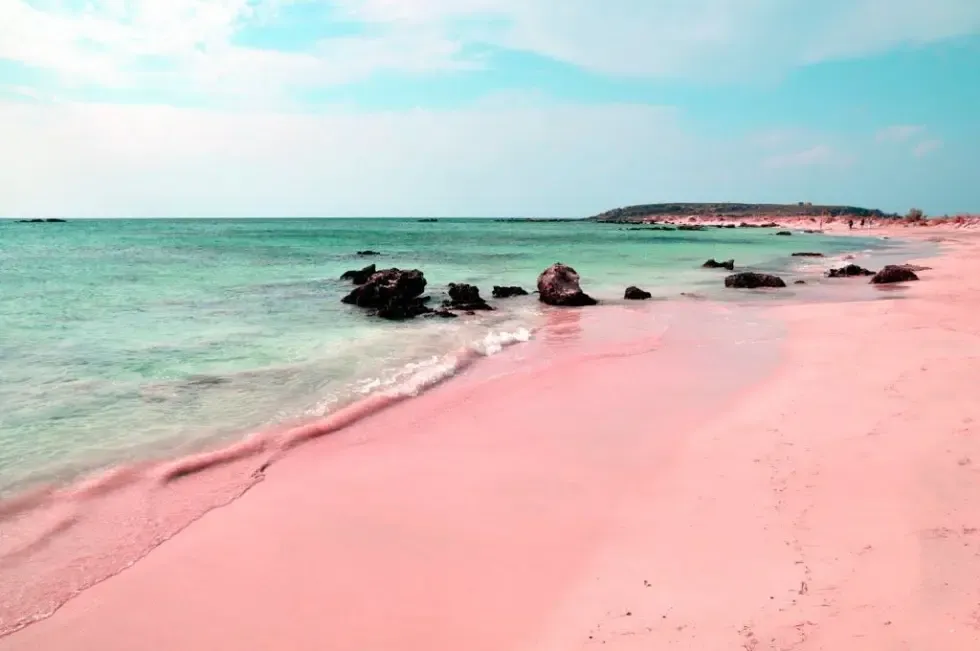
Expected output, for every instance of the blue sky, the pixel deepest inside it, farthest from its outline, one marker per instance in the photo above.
(484, 107)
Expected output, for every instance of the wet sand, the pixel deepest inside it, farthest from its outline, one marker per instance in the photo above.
(680, 489)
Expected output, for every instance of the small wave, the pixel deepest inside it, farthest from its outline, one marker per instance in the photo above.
(41, 534)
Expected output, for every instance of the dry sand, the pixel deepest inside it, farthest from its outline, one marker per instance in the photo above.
(634, 496)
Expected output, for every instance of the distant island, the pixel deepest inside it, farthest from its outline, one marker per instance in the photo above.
(41, 221)
(735, 210)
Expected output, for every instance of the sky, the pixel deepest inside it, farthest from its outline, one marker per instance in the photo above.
(539, 108)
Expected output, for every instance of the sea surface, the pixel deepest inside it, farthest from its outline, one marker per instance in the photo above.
(129, 339)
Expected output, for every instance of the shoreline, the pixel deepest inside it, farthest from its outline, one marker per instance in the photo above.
(598, 514)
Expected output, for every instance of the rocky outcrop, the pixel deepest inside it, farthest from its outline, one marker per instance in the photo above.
(359, 277)
(636, 294)
(508, 291)
(894, 273)
(714, 264)
(799, 282)
(783, 233)
(690, 227)
(465, 297)
(753, 280)
(807, 254)
(849, 271)
(368, 253)
(559, 285)
(393, 293)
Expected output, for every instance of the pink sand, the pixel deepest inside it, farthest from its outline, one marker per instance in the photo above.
(638, 495)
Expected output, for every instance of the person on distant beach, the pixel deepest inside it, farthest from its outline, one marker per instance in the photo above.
(862, 222)
(850, 224)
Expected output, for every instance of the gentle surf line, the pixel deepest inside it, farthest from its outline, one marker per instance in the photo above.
(20, 512)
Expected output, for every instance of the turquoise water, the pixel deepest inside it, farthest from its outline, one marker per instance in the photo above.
(124, 339)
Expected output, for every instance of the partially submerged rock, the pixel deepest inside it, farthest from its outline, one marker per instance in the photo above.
(559, 285)
(753, 280)
(849, 271)
(636, 294)
(690, 227)
(784, 233)
(807, 254)
(359, 277)
(894, 273)
(368, 253)
(465, 297)
(799, 282)
(508, 291)
(714, 264)
(395, 294)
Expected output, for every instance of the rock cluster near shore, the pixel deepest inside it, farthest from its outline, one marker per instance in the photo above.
(849, 271)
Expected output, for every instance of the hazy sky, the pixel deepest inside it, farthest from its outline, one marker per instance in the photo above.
(484, 107)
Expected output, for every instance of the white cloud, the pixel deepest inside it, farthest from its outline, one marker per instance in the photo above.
(816, 155)
(899, 133)
(108, 43)
(505, 159)
(687, 37)
(927, 147)
(188, 45)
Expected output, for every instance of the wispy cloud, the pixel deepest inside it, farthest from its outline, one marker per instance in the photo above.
(811, 156)
(899, 133)
(176, 43)
(927, 147)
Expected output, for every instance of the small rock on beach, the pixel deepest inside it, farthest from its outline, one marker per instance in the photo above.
(753, 280)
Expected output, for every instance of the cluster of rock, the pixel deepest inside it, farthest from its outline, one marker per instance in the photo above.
(849, 271)
(397, 294)
(892, 273)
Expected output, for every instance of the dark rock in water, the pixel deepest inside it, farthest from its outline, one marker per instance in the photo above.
(429, 220)
(849, 271)
(394, 293)
(442, 313)
(508, 291)
(799, 282)
(399, 310)
(359, 277)
(807, 254)
(636, 294)
(783, 233)
(769, 225)
(753, 280)
(894, 273)
(690, 227)
(368, 253)
(729, 225)
(714, 264)
(559, 285)
(55, 221)
(465, 297)
(747, 225)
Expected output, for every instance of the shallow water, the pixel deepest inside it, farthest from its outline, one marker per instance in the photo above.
(127, 339)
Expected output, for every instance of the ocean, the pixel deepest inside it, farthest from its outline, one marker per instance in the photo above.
(123, 340)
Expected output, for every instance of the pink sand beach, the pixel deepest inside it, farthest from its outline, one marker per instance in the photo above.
(792, 475)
